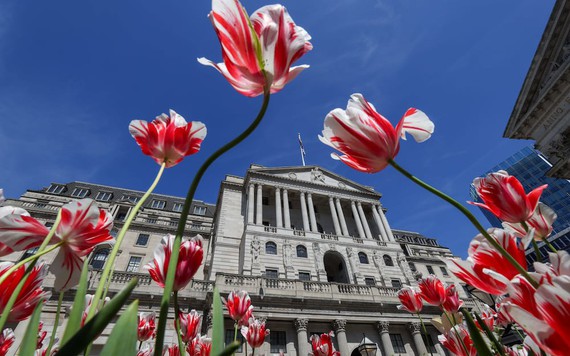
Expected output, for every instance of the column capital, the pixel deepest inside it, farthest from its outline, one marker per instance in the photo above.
(415, 327)
(353, 203)
(284, 190)
(301, 324)
(382, 326)
(339, 325)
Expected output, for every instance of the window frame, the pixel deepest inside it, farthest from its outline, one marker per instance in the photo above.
(304, 254)
(363, 258)
(102, 194)
(444, 271)
(397, 342)
(199, 210)
(398, 283)
(270, 244)
(81, 190)
(158, 204)
(95, 258)
(175, 207)
(388, 260)
(305, 273)
(368, 279)
(55, 189)
(281, 336)
(272, 270)
(430, 269)
(142, 235)
(130, 265)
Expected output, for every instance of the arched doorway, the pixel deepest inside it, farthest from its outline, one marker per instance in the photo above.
(335, 267)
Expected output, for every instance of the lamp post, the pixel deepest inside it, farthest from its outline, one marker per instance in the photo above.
(367, 347)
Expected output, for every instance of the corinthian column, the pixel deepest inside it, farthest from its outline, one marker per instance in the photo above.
(383, 233)
(312, 213)
(415, 328)
(259, 215)
(286, 212)
(339, 326)
(304, 212)
(334, 217)
(302, 341)
(382, 327)
(341, 216)
(386, 225)
(278, 215)
(357, 220)
(250, 204)
(364, 222)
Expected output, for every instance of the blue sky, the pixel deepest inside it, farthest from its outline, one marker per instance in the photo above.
(73, 75)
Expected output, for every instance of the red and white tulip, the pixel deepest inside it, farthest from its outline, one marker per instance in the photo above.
(239, 306)
(432, 290)
(255, 333)
(366, 139)
(30, 294)
(147, 325)
(410, 299)
(452, 302)
(7, 339)
(541, 222)
(190, 324)
(147, 350)
(258, 51)
(322, 345)
(199, 346)
(504, 196)
(189, 260)
(458, 341)
(19, 231)
(168, 139)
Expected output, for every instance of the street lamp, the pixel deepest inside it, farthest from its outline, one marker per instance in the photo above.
(367, 347)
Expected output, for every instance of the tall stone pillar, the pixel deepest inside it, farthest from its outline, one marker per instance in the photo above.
(341, 217)
(415, 330)
(250, 203)
(304, 212)
(336, 224)
(259, 207)
(278, 214)
(364, 222)
(386, 225)
(383, 233)
(286, 212)
(302, 340)
(312, 213)
(382, 327)
(339, 326)
(357, 220)
(209, 322)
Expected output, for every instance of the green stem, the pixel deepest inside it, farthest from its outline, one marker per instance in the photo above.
(490, 335)
(426, 334)
(55, 324)
(536, 250)
(478, 342)
(469, 216)
(169, 283)
(110, 262)
(545, 240)
(177, 321)
(453, 323)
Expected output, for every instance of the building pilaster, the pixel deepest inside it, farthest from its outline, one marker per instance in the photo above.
(357, 220)
(259, 207)
(278, 214)
(386, 225)
(312, 213)
(383, 233)
(250, 203)
(304, 212)
(383, 330)
(339, 326)
(341, 216)
(337, 230)
(286, 212)
(364, 222)
(415, 330)
(302, 340)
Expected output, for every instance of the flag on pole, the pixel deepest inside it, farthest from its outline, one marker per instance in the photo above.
(303, 153)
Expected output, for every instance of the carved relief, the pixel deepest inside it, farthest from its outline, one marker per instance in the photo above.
(415, 327)
(352, 260)
(339, 325)
(287, 253)
(255, 248)
(301, 324)
(319, 265)
(403, 263)
(317, 175)
(383, 326)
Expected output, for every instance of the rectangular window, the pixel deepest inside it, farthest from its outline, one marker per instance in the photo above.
(151, 219)
(197, 226)
(230, 339)
(200, 210)
(396, 283)
(56, 189)
(430, 269)
(271, 273)
(142, 240)
(177, 207)
(444, 271)
(131, 198)
(134, 264)
(305, 276)
(103, 196)
(173, 222)
(429, 343)
(369, 281)
(158, 204)
(398, 343)
(278, 341)
(80, 192)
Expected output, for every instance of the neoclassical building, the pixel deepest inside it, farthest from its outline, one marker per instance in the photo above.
(314, 250)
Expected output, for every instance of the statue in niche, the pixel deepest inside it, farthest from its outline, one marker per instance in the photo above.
(255, 247)
(317, 175)
(405, 267)
(287, 252)
(318, 257)
(352, 260)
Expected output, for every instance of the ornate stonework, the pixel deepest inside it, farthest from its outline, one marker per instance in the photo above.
(383, 326)
(339, 325)
(301, 324)
(415, 327)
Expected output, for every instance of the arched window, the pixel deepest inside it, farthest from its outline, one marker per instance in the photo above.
(412, 266)
(301, 251)
(388, 260)
(270, 248)
(363, 258)
(99, 258)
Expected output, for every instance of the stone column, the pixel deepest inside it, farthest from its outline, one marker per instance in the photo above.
(312, 213)
(415, 330)
(386, 225)
(383, 233)
(259, 207)
(304, 212)
(364, 222)
(382, 327)
(209, 322)
(286, 212)
(337, 230)
(341, 216)
(339, 326)
(250, 204)
(278, 215)
(302, 340)
(357, 220)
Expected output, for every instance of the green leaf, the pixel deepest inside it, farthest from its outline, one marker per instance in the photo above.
(231, 348)
(490, 335)
(94, 327)
(30, 341)
(123, 338)
(480, 344)
(217, 325)
(74, 320)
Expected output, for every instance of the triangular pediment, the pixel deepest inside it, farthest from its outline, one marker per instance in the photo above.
(313, 175)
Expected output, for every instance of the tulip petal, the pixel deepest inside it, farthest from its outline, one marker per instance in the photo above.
(66, 267)
(19, 231)
(417, 124)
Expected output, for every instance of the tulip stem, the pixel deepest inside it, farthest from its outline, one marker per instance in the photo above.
(169, 283)
(545, 240)
(177, 321)
(426, 334)
(55, 324)
(108, 270)
(469, 216)
(453, 323)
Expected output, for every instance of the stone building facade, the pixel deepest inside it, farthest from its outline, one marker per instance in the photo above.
(314, 250)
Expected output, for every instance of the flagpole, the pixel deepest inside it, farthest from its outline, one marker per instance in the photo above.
(302, 149)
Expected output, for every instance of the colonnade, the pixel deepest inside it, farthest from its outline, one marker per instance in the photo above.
(283, 214)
